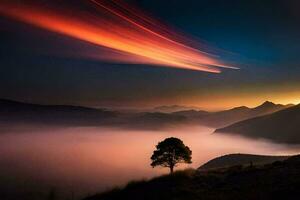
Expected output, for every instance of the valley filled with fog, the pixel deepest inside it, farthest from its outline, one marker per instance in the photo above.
(77, 161)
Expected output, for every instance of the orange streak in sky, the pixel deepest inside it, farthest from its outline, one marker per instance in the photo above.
(142, 27)
(119, 32)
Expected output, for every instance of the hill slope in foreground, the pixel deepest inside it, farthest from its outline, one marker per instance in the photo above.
(278, 180)
(240, 159)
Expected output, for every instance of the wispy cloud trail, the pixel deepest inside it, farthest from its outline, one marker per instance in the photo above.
(134, 37)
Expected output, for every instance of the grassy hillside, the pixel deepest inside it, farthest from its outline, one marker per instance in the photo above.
(240, 159)
(279, 180)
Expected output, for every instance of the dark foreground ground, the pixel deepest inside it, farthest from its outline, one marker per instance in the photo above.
(279, 180)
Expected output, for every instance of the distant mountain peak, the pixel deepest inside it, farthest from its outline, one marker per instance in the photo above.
(268, 103)
(281, 126)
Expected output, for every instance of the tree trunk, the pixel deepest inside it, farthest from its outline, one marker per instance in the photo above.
(171, 169)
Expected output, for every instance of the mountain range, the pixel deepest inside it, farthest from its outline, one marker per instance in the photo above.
(24, 113)
(227, 117)
(14, 112)
(269, 120)
(282, 126)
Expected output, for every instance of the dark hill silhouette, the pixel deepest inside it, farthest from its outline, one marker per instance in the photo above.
(240, 159)
(267, 107)
(279, 180)
(192, 113)
(282, 126)
(227, 117)
(14, 112)
(221, 118)
(19, 112)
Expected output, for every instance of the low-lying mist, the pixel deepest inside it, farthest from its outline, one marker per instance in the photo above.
(82, 160)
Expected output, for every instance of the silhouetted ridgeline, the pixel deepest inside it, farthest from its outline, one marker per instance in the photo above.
(227, 117)
(282, 126)
(14, 113)
(18, 112)
(240, 159)
(278, 180)
(26, 113)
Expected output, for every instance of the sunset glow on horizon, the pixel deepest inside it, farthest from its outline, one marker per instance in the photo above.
(116, 27)
(143, 54)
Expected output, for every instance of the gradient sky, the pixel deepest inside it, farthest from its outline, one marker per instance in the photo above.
(260, 37)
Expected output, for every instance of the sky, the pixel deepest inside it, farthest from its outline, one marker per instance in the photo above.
(214, 54)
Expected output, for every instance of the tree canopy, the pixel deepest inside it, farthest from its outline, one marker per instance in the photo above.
(170, 152)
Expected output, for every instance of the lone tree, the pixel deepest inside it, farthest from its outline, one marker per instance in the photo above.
(171, 152)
